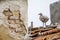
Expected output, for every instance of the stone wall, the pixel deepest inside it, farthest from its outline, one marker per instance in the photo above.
(13, 19)
(55, 12)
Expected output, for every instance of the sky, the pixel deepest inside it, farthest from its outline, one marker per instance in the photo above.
(38, 6)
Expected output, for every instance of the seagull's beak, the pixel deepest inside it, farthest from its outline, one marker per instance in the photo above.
(38, 14)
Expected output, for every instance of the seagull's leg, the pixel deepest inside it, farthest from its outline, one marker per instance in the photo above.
(43, 24)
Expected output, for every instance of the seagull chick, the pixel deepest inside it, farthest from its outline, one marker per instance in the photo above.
(43, 18)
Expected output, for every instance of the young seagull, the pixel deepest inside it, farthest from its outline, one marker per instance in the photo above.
(44, 19)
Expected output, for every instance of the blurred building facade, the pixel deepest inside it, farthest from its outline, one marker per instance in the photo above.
(55, 12)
